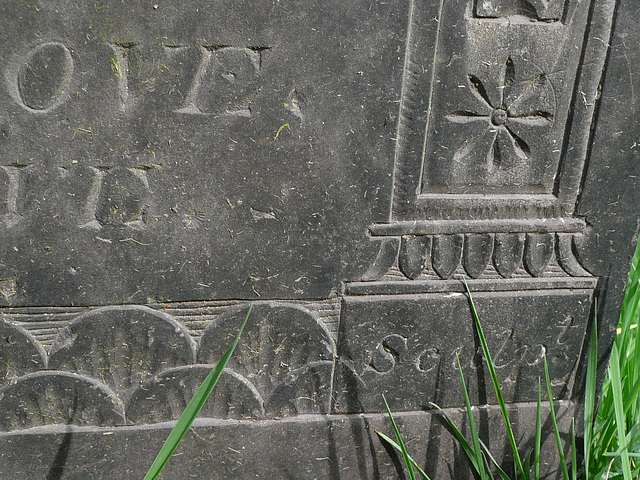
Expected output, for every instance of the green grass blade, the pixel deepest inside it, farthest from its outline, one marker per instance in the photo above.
(397, 447)
(556, 431)
(538, 439)
(590, 391)
(472, 423)
(574, 453)
(464, 443)
(628, 440)
(501, 472)
(192, 410)
(496, 386)
(527, 464)
(616, 388)
(403, 449)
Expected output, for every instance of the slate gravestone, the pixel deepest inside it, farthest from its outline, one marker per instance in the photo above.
(344, 166)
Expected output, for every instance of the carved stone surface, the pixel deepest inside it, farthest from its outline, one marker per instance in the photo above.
(165, 396)
(352, 168)
(20, 353)
(134, 147)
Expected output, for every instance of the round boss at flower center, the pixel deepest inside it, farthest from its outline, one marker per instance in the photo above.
(499, 116)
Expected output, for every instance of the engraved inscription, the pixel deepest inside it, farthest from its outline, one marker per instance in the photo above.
(121, 64)
(10, 193)
(223, 80)
(42, 82)
(219, 80)
(118, 196)
(415, 340)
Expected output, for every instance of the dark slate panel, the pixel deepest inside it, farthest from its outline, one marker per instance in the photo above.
(196, 150)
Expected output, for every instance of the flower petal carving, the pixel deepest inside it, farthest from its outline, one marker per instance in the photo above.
(516, 110)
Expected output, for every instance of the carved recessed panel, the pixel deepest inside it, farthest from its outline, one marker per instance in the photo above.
(500, 128)
(491, 141)
(405, 347)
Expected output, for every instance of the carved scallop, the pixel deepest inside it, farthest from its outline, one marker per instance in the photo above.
(305, 390)
(414, 255)
(477, 253)
(49, 398)
(165, 396)
(507, 254)
(384, 260)
(122, 346)
(20, 353)
(447, 253)
(277, 340)
(566, 255)
(538, 252)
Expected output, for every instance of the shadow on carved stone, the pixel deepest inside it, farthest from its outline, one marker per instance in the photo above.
(122, 346)
(277, 343)
(50, 398)
(165, 396)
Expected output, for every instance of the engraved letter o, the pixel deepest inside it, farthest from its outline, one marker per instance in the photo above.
(43, 78)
